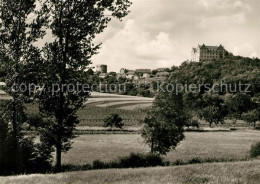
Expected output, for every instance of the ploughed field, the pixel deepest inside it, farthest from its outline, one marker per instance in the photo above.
(131, 108)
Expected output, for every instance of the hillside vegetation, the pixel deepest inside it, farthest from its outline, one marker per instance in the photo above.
(231, 69)
(220, 90)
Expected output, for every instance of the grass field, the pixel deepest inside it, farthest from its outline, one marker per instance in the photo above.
(235, 144)
(221, 173)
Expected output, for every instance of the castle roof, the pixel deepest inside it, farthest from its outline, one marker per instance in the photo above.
(211, 47)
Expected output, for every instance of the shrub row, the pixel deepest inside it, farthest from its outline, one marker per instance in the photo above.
(134, 160)
(197, 160)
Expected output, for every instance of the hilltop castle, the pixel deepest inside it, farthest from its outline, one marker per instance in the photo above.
(205, 53)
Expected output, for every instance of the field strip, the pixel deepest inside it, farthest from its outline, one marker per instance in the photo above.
(5, 97)
(109, 104)
(137, 106)
(93, 100)
(96, 94)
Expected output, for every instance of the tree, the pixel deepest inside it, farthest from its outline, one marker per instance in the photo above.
(90, 72)
(213, 109)
(74, 25)
(164, 123)
(18, 33)
(237, 104)
(251, 116)
(20, 28)
(113, 120)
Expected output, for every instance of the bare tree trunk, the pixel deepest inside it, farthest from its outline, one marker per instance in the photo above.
(60, 113)
(152, 147)
(14, 122)
(60, 125)
(58, 155)
(210, 124)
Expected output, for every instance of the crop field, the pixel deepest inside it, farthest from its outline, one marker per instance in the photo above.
(221, 173)
(131, 108)
(92, 115)
(107, 147)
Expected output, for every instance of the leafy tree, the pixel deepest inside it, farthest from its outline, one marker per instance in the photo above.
(237, 104)
(251, 116)
(121, 80)
(74, 25)
(213, 110)
(164, 123)
(113, 120)
(144, 92)
(90, 72)
(18, 33)
(130, 89)
(20, 29)
(154, 72)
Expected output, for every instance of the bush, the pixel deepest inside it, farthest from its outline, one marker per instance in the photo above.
(71, 167)
(140, 160)
(255, 150)
(198, 160)
(195, 160)
(113, 120)
(97, 164)
(132, 161)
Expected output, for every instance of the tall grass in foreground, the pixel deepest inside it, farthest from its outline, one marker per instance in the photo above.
(221, 173)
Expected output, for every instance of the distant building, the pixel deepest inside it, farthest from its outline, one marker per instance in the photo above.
(146, 75)
(103, 75)
(101, 68)
(205, 53)
(130, 74)
(143, 70)
(162, 74)
(136, 78)
(161, 69)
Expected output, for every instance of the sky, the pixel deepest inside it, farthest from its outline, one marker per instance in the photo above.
(161, 33)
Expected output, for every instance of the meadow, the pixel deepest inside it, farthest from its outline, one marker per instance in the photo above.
(221, 173)
(107, 147)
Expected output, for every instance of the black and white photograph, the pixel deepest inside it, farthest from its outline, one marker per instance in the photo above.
(129, 91)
